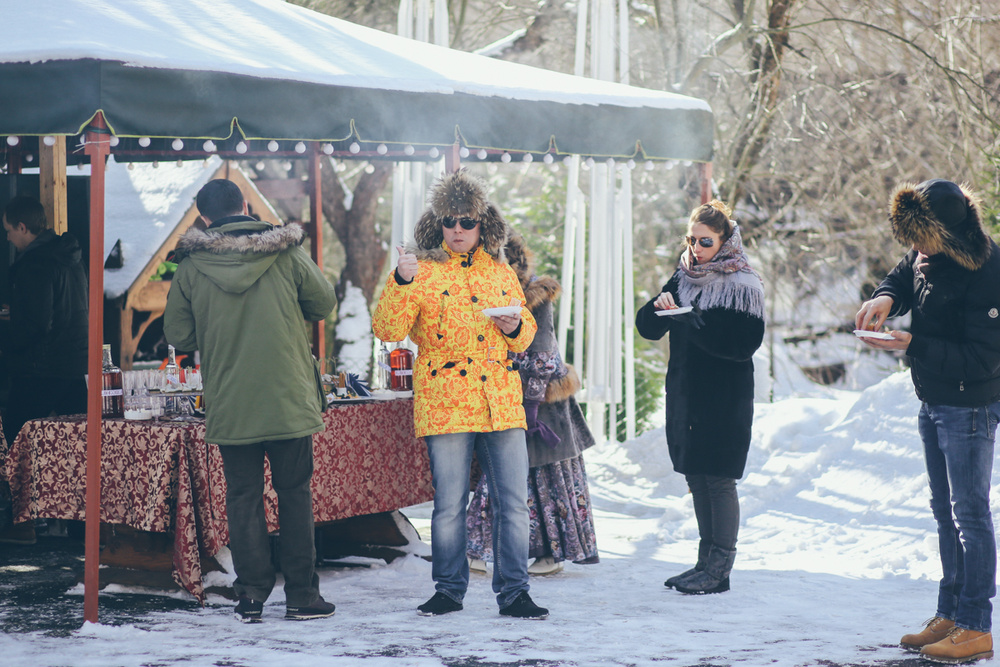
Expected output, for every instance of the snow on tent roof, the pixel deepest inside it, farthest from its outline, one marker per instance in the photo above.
(268, 69)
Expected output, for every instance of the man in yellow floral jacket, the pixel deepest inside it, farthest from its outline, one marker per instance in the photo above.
(467, 393)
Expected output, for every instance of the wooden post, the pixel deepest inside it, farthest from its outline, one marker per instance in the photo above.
(452, 158)
(706, 182)
(52, 182)
(97, 149)
(316, 227)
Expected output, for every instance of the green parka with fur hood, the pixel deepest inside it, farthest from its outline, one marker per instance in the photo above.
(240, 295)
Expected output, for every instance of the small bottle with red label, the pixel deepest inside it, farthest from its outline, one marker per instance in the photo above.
(401, 363)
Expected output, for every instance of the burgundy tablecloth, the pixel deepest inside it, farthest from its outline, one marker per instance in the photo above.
(162, 477)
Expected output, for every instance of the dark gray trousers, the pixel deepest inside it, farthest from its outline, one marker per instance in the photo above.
(291, 471)
(717, 509)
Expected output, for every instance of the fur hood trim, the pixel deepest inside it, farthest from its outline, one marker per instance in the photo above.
(541, 290)
(462, 195)
(269, 240)
(564, 387)
(940, 217)
(536, 290)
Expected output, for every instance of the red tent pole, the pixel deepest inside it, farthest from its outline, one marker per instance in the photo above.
(316, 247)
(97, 149)
(452, 158)
(706, 183)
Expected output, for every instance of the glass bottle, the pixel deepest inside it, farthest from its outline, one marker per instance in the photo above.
(383, 371)
(401, 363)
(112, 394)
(171, 382)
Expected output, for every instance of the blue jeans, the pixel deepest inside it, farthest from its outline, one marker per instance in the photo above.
(503, 456)
(958, 447)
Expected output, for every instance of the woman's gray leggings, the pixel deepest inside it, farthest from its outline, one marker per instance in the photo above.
(717, 508)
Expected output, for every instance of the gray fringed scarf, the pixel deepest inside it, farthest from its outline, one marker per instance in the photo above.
(727, 281)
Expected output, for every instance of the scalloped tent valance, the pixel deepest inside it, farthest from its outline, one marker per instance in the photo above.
(265, 69)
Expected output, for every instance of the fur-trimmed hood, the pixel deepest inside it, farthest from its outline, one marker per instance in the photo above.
(940, 217)
(536, 290)
(459, 195)
(235, 255)
(243, 235)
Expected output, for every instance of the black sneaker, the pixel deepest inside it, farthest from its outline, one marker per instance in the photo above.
(439, 604)
(318, 609)
(249, 611)
(523, 607)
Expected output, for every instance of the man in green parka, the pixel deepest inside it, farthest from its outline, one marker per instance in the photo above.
(240, 296)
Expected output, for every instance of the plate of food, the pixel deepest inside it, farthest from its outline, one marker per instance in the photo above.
(504, 310)
(675, 311)
(880, 335)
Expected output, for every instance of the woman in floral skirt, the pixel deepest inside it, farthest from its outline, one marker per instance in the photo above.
(562, 522)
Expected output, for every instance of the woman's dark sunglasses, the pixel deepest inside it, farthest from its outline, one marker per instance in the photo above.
(467, 223)
(704, 241)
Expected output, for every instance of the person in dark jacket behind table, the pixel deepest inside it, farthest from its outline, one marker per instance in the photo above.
(950, 283)
(562, 520)
(45, 346)
(241, 294)
(710, 382)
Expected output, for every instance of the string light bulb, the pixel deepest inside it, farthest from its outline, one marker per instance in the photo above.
(434, 152)
(242, 148)
(177, 144)
(272, 146)
(113, 141)
(209, 146)
(505, 158)
(463, 152)
(409, 150)
(382, 149)
(13, 141)
(528, 157)
(482, 154)
(328, 149)
(355, 147)
(49, 141)
(144, 142)
(548, 159)
(300, 147)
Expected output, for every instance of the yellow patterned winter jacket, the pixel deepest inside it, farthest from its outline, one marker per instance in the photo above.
(462, 379)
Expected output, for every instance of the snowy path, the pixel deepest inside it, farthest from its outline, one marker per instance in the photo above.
(836, 562)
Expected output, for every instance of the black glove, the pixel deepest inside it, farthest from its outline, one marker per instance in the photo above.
(692, 318)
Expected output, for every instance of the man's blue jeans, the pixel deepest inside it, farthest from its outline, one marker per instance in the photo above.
(958, 446)
(503, 456)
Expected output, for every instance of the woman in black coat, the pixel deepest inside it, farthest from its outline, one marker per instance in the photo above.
(713, 336)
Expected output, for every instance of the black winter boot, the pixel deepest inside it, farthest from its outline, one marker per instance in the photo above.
(703, 547)
(714, 578)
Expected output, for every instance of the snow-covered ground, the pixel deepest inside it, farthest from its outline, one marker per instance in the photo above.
(837, 559)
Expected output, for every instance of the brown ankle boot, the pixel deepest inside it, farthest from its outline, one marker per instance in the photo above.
(934, 630)
(960, 646)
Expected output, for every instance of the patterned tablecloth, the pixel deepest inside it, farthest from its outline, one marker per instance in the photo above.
(162, 477)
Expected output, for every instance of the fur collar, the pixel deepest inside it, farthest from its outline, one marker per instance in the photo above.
(914, 223)
(541, 290)
(263, 239)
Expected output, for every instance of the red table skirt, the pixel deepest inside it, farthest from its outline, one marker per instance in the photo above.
(163, 477)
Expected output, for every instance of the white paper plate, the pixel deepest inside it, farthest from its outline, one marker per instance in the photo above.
(675, 311)
(861, 333)
(505, 310)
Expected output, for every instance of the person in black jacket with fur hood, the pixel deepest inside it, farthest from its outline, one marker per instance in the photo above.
(950, 282)
(710, 386)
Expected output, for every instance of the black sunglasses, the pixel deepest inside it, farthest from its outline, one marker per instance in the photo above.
(704, 241)
(467, 223)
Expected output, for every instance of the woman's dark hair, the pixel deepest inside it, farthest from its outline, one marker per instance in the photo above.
(716, 216)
